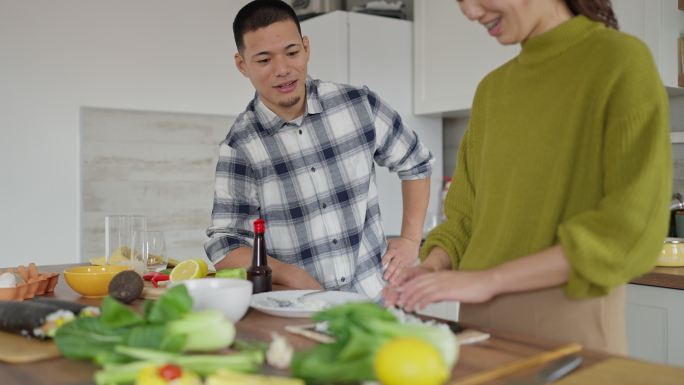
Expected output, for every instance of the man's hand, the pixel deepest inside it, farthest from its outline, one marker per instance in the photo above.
(401, 253)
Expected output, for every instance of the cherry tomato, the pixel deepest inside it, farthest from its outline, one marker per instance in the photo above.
(170, 372)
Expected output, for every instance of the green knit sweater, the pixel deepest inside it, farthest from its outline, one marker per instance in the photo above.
(568, 143)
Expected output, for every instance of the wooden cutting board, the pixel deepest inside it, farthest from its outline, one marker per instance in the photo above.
(16, 349)
(151, 292)
(621, 371)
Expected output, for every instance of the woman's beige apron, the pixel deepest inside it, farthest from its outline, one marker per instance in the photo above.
(596, 323)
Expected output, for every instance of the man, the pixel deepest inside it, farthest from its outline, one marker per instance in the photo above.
(302, 157)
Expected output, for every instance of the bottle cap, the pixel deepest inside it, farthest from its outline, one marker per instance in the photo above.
(259, 226)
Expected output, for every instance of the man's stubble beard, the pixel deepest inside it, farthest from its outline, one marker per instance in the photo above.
(290, 102)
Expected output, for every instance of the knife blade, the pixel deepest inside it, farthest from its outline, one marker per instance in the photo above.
(551, 372)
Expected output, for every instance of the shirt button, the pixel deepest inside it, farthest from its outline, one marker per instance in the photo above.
(313, 169)
(300, 132)
(334, 241)
(324, 205)
(343, 279)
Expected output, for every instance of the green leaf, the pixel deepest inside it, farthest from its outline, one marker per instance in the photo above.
(171, 306)
(149, 336)
(173, 342)
(117, 315)
(86, 338)
(321, 365)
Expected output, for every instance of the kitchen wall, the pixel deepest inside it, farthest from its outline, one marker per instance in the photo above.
(158, 55)
(454, 127)
(156, 164)
(60, 56)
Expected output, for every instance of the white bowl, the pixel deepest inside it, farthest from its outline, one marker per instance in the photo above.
(230, 296)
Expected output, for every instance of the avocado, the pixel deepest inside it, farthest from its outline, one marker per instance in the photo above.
(126, 286)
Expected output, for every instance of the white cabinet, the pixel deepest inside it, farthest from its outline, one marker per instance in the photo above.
(658, 23)
(375, 51)
(452, 55)
(655, 324)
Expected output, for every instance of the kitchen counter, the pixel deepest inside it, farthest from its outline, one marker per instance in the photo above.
(500, 349)
(665, 277)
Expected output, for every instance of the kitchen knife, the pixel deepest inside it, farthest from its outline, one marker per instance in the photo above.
(492, 374)
(551, 372)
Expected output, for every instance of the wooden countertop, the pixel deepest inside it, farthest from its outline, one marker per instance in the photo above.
(500, 349)
(665, 277)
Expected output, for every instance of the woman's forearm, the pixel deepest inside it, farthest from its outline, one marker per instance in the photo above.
(437, 260)
(544, 269)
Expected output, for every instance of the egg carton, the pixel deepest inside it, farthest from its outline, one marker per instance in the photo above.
(25, 283)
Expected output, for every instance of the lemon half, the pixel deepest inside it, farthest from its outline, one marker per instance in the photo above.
(188, 269)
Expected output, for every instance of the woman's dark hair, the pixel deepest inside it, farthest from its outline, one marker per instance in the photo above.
(597, 10)
(259, 14)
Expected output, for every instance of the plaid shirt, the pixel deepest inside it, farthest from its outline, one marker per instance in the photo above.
(313, 182)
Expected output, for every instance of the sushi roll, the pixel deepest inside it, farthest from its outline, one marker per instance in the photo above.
(31, 318)
(74, 307)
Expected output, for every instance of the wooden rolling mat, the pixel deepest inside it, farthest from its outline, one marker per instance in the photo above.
(16, 349)
(621, 371)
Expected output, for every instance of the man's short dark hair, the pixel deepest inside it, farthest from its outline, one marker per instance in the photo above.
(259, 14)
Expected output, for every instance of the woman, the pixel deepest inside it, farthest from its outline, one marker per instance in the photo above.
(562, 181)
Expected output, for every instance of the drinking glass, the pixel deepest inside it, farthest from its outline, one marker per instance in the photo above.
(149, 251)
(156, 258)
(119, 230)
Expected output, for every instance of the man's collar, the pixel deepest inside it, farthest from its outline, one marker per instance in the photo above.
(268, 121)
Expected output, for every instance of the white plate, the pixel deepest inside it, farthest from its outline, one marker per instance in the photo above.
(304, 308)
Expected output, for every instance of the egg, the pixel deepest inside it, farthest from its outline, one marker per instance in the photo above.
(8, 280)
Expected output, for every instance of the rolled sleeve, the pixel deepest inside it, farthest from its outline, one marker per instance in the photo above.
(398, 148)
(236, 205)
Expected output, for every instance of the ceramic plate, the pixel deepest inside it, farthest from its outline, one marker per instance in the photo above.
(290, 303)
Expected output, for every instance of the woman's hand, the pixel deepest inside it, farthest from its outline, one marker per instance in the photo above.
(462, 286)
(401, 253)
(390, 293)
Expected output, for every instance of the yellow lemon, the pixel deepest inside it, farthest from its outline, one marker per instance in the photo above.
(409, 361)
(204, 269)
(188, 269)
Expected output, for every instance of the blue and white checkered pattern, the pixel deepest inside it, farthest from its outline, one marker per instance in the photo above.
(313, 181)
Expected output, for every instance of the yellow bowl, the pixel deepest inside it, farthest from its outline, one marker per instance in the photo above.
(672, 254)
(92, 281)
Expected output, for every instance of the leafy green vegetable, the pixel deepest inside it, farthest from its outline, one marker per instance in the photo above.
(167, 324)
(117, 315)
(120, 374)
(84, 338)
(205, 330)
(202, 364)
(171, 306)
(360, 329)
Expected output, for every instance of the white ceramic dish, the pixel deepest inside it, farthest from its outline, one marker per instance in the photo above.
(287, 303)
(230, 296)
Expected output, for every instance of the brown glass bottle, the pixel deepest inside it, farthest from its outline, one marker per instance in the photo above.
(259, 272)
